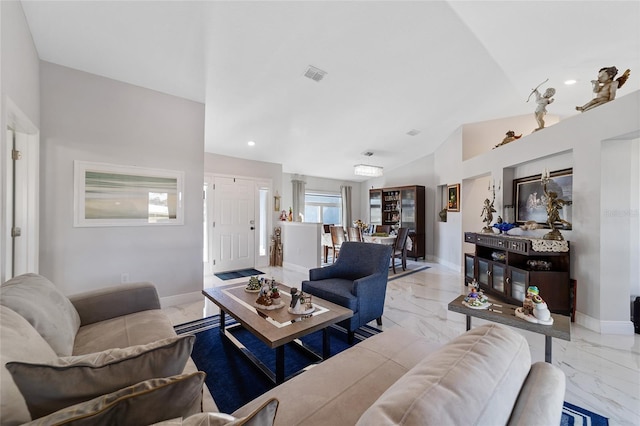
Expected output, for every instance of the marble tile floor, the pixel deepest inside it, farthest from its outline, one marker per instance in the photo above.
(603, 371)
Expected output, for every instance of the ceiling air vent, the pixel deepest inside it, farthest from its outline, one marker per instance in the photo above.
(413, 132)
(315, 74)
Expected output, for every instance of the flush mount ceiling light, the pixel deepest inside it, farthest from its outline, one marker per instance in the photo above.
(570, 82)
(251, 143)
(367, 170)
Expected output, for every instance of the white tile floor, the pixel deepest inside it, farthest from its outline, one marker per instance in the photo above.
(603, 371)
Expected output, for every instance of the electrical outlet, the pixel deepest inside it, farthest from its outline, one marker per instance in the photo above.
(124, 277)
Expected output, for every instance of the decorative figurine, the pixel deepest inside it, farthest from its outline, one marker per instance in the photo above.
(554, 205)
(487, 212)
(534, 309)
(541, 109)
(605, 87)
(283, 216)
(476, 298)
(510, 137)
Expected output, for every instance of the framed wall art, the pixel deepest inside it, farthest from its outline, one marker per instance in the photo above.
(453, 198)
(531, 201)
(114, 195)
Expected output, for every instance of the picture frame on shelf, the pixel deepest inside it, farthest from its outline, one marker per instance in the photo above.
(530, 201)
(117, 195)
(453, 198)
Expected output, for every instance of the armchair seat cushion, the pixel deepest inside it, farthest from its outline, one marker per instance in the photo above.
(335, 290)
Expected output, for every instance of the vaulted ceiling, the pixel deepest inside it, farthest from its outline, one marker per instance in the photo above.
(392, 67)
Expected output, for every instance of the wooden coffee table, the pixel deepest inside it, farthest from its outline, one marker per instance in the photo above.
(504, 313)
(275, 327)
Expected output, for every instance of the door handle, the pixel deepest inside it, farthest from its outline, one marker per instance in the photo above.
(252, 228)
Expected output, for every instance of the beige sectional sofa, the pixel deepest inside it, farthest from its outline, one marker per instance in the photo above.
(58, 348)
(484, 376)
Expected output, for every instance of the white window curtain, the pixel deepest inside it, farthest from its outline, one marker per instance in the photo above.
(345, 192)
(298, 187)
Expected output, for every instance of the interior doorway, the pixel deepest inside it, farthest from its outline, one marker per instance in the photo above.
(20, 165)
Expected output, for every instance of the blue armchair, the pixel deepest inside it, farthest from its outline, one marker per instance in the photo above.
(358, 281)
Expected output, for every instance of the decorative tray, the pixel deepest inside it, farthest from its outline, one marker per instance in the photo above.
(270, 307)
(251, 291)
(306, 312)
(484, 305)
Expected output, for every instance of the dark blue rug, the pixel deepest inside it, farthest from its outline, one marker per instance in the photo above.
(573, 415)
(241, 273)
(231, 378)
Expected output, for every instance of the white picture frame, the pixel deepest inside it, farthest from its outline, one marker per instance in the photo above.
(117, 195)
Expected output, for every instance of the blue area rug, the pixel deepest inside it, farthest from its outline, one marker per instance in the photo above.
(575, 416)
(231, 378)
(241, 273)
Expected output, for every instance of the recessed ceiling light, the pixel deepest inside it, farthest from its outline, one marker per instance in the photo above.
(570, 82)
(251, 143)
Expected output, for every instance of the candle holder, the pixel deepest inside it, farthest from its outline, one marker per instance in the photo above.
(488, 210)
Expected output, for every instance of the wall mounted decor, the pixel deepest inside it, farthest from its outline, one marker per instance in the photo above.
(115, 195)
(530, 201)
(453, 197)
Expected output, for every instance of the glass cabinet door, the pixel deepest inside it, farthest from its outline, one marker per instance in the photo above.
(517, 282)
(497, 277)
(375, 207)
(469, 267)
(408, 209)
(483, 272)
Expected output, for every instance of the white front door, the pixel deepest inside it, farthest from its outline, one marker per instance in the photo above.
(233, 224)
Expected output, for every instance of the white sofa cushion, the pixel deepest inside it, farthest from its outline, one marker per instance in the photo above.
(474, 379)
(71, 380)
(20, 341)
(45, 307)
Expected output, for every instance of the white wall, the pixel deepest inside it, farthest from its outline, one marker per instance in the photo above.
(91, 118)
(19, 89)
(582, 142)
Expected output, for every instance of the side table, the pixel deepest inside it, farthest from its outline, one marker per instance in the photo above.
(504, 313)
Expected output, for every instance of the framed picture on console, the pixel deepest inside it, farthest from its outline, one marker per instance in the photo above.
(453, 198)
(115, 195)
(531, 202)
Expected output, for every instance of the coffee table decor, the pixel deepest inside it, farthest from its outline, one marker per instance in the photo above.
(476, 299)
(269, 297)
(300, 303)
(254, 285)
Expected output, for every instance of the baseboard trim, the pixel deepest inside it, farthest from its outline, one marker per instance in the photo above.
(296, 268)
(180, 299)
(605, 327)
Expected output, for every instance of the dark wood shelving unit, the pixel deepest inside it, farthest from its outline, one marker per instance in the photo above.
(402, 206)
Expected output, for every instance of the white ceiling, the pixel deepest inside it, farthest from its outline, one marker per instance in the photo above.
(393, 66)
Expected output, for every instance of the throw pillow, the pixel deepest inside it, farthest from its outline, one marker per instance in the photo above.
(18, 341)
(144, 403)
(51, 386)
(45, 307)
(265, 415)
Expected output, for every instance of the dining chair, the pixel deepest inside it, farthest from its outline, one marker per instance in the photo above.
(326, 231)
(383, 229)
(400, 249)
(337, 238)
(355, 234)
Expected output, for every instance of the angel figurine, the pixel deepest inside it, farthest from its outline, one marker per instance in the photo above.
(542, 101)
(605, 87)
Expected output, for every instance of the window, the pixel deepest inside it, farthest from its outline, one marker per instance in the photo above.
(323, 208)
